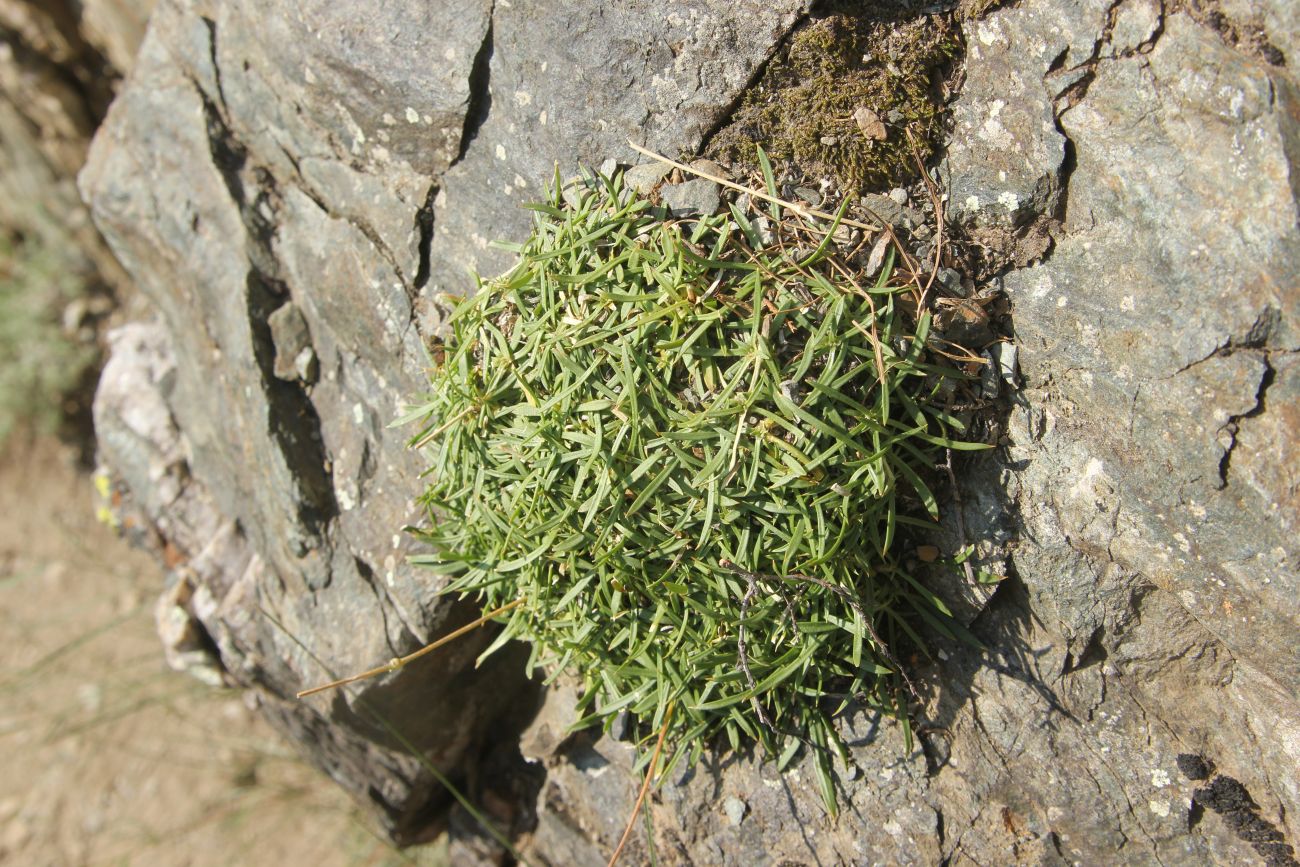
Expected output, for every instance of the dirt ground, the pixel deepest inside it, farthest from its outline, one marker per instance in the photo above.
(106, 755)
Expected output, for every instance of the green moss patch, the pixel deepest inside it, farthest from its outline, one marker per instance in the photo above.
(838, 70)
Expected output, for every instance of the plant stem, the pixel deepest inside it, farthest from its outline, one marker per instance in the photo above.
(645, 786)
(395, 664)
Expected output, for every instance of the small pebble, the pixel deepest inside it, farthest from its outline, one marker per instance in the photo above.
(898, 194)
(877, 256)
(1007, 357)
(950, 280)
(846, 236)
(829, 141)
(735, 810)
(990, 377)
(870, 124)
(608, 167)
(809, 195)
(712, 168)
(642, 178)
(699, 196)
(306, 365)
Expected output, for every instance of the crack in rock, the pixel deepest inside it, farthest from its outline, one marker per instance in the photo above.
(1232, 425)
(292, 418)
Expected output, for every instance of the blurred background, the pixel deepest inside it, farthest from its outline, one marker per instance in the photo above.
(109, 757)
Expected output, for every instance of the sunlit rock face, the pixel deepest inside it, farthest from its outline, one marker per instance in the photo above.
(352, 160)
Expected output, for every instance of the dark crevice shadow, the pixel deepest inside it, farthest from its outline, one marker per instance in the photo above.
(480, 91)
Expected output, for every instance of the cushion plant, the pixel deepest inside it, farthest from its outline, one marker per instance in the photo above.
(686, 449)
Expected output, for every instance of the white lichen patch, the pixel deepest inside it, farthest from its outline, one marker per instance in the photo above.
(997, 135)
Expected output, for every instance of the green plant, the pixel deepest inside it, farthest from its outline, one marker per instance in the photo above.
(39, 364)
(683, 452)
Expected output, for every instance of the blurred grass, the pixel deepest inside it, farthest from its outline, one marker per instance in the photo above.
(41, 362)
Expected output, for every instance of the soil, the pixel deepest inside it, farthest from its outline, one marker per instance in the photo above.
(110, 757)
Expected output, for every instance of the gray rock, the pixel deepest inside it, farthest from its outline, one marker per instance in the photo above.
(1150, 486)
(710, 167)
(290, 339)
(990, 376)
(645, 176)
(888, 209)
(877, 256)
(1152, 341)
(735, 809)
(1136, 22)
(1005, 158)
(305, 365)
(950, 280)
(809, 195)
(662, 76)
(1143, 515)
(692, 198)
(205, 181)
(1006, 357)
(1210, 368)
(550, 728)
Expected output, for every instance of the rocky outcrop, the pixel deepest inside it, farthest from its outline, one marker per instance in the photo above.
(291, 178)
(276, 157)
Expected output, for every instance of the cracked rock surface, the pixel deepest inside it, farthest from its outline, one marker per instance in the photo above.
(273, 176)
(351, 160)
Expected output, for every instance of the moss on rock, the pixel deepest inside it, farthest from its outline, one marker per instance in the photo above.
(806, 109)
